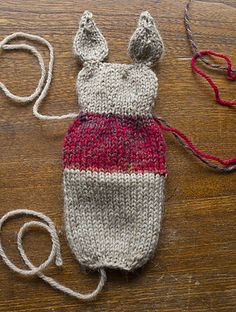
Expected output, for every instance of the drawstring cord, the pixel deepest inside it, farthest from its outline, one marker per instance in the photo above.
(212, 84)
(228, 165)
(55, 254)
(45, 80)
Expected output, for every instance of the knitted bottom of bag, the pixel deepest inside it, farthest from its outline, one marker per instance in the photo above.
(113, 219)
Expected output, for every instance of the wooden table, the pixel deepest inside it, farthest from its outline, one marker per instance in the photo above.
(194, 268)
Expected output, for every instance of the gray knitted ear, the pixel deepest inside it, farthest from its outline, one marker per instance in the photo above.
(146, 45)
(89, 43)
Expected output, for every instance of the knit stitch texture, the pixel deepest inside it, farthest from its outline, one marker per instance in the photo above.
(114, 153)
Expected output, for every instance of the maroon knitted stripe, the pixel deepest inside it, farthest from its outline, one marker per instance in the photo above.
(115, 143)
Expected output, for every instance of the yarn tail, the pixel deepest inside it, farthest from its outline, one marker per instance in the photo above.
(55, 254)
(210, 160)
(212, 84)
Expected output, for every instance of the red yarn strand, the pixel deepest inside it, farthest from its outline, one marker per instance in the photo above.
(201, 155)
(230, 74)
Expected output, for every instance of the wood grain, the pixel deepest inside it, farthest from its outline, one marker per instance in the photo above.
(194, 268)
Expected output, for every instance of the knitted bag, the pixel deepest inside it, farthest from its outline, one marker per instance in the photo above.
(114, 153)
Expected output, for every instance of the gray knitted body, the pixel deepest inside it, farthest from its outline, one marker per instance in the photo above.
(114, 153)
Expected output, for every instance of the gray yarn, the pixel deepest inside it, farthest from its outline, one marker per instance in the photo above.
(117, 88)
(55, 253)
(146, 45)
(45, 80)
(113, 219)
(89, 43)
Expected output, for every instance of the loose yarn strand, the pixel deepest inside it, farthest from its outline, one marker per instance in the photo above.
(214, 87)
(228, 165)
(210, 160)
(45, 80)
(190, 36)
(55, 254)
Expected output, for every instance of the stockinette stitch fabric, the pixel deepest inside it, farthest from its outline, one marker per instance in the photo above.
(114, 153)
(114, 156)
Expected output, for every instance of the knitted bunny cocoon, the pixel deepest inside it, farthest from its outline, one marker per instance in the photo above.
(114, 153)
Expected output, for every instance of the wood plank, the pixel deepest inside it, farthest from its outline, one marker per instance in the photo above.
(194, 266)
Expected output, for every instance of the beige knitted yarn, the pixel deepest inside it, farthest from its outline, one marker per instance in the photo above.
(114, 153)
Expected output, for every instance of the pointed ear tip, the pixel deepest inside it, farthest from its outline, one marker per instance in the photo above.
(145, 15)
(85, 18)
(87, 14)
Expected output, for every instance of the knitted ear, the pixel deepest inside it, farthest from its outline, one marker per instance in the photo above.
(146, 45)
(89, 43)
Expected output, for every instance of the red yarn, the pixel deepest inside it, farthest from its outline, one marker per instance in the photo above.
(189, 143)
(108, 142)
(230, 75)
